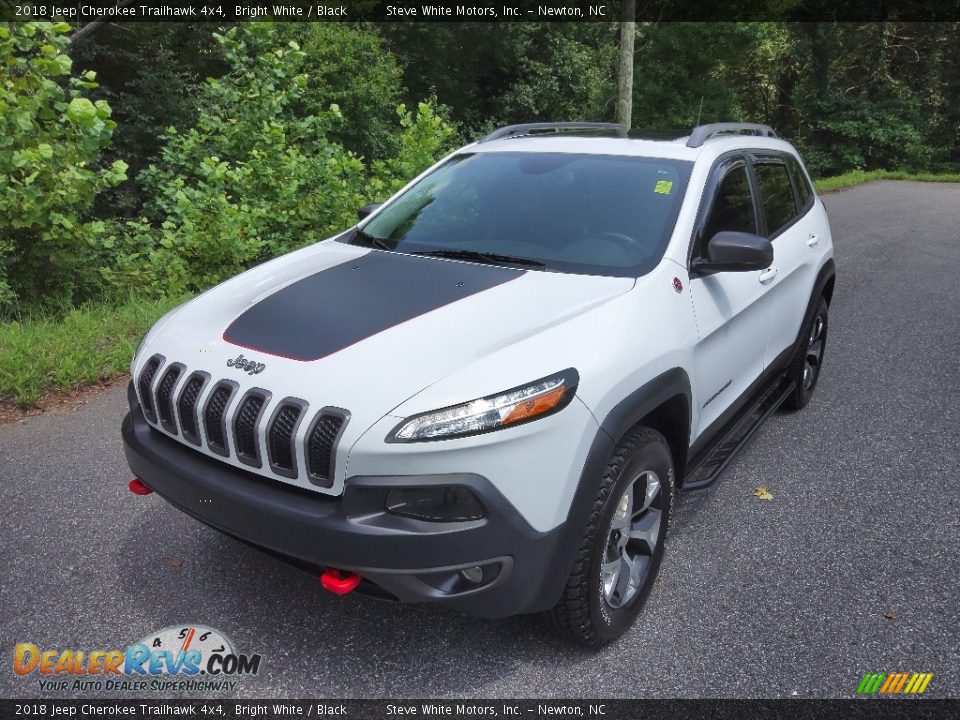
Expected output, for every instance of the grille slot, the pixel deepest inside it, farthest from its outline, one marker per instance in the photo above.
(165, 397)
(214, 416)
(146, 380)
(321, 443)
(245, 425)
(281, 434)
(187, 406)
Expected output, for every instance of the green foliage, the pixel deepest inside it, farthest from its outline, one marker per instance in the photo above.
(349, 67)
(83, 345)
(256, 176)
(150, 74)
(682, 73)
(849, 95)
(496, 73)
(423, 139)
(51, 137)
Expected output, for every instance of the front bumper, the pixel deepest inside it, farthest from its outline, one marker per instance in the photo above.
(411, 560)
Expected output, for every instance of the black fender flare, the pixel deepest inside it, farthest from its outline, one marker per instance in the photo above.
(826, 274)
(624, 415)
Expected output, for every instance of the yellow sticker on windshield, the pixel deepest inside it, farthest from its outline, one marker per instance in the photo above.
(663, 187)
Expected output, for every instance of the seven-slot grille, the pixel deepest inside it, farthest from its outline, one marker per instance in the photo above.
(181, 412)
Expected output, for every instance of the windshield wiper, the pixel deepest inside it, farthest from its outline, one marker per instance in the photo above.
(371, 240)
(483, 257)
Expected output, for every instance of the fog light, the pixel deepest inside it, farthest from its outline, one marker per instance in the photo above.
(440, 503)
(474, 575)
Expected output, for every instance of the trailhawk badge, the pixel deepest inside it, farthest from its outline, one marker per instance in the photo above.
(252, 367)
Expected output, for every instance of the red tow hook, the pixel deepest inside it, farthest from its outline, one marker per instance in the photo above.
(138, 488)
(339, 582)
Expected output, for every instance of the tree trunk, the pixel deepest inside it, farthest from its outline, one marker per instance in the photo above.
(628, 31)
(91, 27)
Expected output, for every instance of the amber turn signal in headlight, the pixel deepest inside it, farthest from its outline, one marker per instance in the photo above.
(521, 404)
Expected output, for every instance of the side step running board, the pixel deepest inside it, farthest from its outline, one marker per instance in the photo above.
(731, 442)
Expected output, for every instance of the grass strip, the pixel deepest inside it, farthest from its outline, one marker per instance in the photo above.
(858, 177)
(87, 344)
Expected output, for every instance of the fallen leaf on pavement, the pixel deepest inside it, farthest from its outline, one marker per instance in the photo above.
(176, 562)
(762, 493)
(890, 615)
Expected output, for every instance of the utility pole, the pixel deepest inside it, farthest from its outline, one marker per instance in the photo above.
(628, 31)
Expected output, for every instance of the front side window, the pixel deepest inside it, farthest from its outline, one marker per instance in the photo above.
(776, 195)
(591, 214)
(732, 208)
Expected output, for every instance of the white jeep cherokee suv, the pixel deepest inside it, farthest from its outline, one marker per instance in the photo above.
(487, 392)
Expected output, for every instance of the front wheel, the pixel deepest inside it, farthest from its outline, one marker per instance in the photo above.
(806, 365)
(622, 548)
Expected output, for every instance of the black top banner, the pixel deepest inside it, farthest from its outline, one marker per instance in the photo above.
(475, 10)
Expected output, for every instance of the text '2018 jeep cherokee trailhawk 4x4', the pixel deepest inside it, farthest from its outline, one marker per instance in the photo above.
(487, 393)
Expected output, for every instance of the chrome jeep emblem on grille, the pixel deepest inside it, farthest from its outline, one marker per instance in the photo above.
(252, 367)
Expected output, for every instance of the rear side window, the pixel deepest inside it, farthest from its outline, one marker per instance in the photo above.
(776, 196)
(733, 205)
(800, 181)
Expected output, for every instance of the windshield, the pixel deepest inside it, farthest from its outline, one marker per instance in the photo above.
(592, 214)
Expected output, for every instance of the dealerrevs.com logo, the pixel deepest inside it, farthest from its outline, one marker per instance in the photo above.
(180, 657)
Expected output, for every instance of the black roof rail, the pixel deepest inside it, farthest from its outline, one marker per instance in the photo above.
(702, 133)
(542, 128)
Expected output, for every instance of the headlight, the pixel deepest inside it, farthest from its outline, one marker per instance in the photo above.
(521, 404)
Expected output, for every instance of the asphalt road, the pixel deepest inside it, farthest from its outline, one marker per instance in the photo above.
(853, 567)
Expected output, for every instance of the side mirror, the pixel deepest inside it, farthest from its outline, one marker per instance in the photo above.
(367, 210)
(730, 251)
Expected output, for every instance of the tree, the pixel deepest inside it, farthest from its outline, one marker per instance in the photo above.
(628, 33)
(150, 73)
(51, 139)
(258, 174)
(492, 74)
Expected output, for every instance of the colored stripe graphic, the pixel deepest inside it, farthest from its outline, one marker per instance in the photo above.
(900, 683)
(910, 685)
(891, 679)
(870, 683)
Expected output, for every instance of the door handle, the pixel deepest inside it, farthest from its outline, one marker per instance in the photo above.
(813, 240)
(767, 275)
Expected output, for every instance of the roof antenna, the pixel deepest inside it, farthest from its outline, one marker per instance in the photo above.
(699, 112)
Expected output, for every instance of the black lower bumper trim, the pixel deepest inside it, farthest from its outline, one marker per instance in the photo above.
(413, 560)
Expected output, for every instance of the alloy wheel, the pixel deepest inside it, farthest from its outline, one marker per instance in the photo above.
(632, 539)
(814, 356)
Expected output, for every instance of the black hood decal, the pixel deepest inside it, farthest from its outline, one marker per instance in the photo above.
(342, 305)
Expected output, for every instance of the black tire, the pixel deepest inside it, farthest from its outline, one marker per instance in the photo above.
(808, 359)
(591, 610)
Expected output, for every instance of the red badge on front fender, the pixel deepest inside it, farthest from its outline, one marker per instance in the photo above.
(677, 285)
